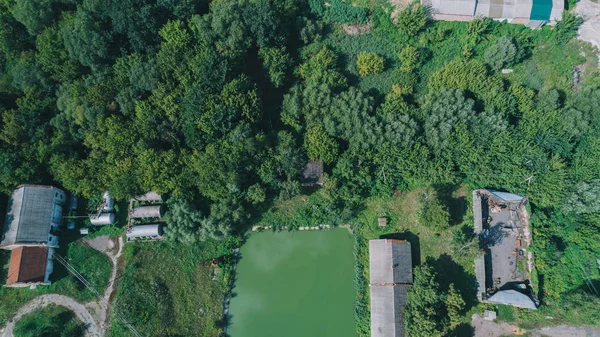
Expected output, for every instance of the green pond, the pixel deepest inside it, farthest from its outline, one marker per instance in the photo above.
(294, 284)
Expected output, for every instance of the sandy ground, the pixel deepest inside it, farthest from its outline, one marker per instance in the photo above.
(485, 328)
(590, 29)
(94, 314)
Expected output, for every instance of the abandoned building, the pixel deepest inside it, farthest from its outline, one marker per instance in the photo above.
(390, 270)
(149, 211)
(532, 13)
(33, 214)
(148, 197)
(312, 174)
(502, 224)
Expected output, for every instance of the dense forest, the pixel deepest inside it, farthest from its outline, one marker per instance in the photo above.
(220, 106)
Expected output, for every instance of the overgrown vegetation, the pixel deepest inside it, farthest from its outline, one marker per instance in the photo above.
(220, 105)
(51, 321)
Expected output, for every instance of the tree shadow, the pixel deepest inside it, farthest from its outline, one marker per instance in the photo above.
(463, 330)
(415, 244)
(457, 206)
(450, 272)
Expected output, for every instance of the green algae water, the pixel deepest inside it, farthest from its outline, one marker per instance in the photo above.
(294, 284)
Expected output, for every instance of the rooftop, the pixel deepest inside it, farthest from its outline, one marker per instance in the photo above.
(31, 211)
(27, 265)
(313, 173)
(390, 269)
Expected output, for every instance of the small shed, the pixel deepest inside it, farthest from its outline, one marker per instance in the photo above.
(312, 175)
(148, 197)
(151, 211)
(382, 222)
(144, 231)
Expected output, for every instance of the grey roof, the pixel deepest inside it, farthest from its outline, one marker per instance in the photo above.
(508, 197)
(150, 196)
(151, 211)
(387, 310)
(453, 7)
(31, 210)
(144, 231)
(390, 268)
(390, 262)
(312, 174)
(514, 298)
(477, 212)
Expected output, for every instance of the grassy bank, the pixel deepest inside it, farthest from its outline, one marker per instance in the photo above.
(171, 290)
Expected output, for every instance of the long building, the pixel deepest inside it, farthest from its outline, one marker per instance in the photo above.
(33, 216)
(528, 12)
(390, 271)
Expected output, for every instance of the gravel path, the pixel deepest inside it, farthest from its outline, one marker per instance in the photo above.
(485, 328)
(44, 300)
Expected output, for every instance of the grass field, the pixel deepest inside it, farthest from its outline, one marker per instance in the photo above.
(168, 290)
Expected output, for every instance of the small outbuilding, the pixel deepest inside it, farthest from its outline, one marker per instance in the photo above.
(150, 211)
(514, 298)
(312, 175)
(145, 231)
(103, 219)
(148, 197)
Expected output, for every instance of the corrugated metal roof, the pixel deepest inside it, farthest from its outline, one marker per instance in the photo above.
(153, 211)
(452, 7)
(144, 231)
(390, 261)
(514, 298)
(390, 268)
(387, 310)
(547, 10)
(509, 197)
(31, 211)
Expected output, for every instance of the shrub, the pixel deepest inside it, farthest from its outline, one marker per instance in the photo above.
(434, 213)
(412, 20)
(502, 53)
(338, 11)
(478, 27)
(369, 63)
(566, 29)
(409, 56)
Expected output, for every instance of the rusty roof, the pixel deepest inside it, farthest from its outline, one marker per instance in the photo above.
(27, 264)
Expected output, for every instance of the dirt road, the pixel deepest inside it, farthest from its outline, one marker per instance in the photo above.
(485, 328)
(44, 300)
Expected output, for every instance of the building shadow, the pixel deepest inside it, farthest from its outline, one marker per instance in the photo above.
(450, 272)
(457, 206)
(415, 244)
